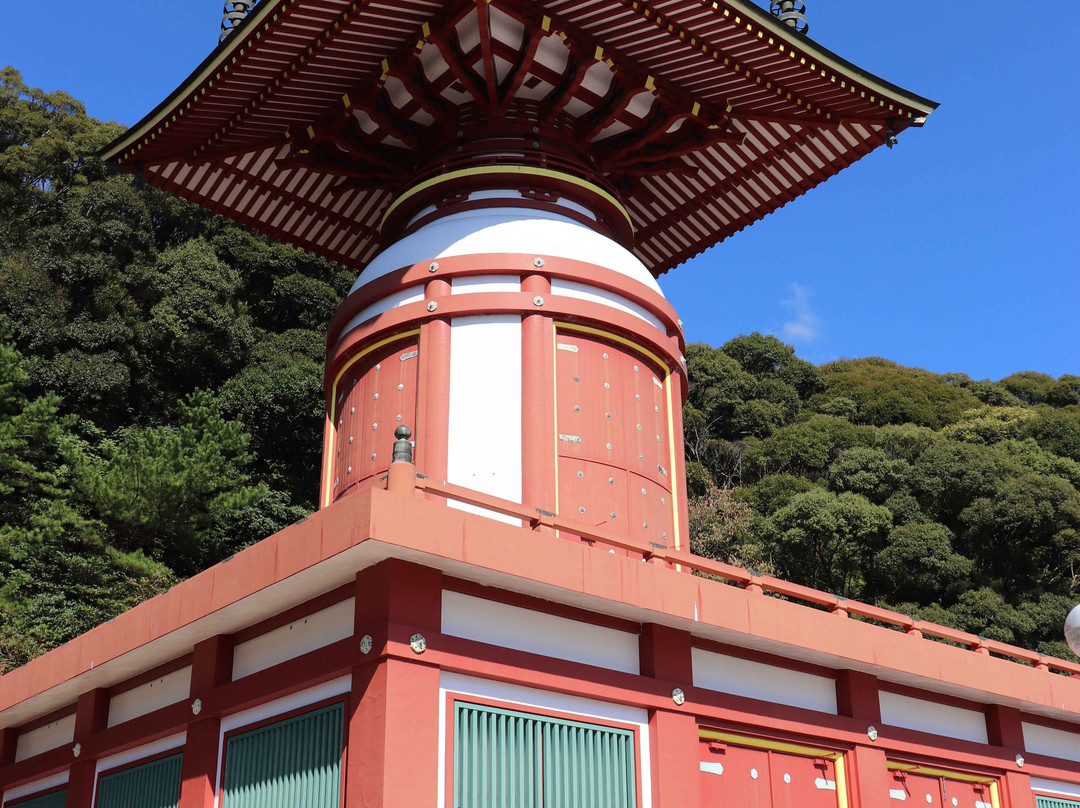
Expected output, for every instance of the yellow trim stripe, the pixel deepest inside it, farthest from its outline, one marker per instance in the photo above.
(329, 448)
(932, 771)
(526, 171)
(770, 744)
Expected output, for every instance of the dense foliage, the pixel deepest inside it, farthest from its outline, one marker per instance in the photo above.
(160, 380)
(938, 496)
(161, 408)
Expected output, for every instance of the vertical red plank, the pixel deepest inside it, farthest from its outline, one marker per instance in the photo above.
(538, 453)
(1017, 788)
(433, 405)
(665, 653)
(211, 667)
(91, 715)
(393, 731)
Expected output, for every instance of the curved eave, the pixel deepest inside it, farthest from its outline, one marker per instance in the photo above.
(225, 52)
(828, 59)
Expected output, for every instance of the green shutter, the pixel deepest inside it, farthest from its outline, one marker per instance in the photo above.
(294, 763)
(1055, 802)
(507, 759)
(53, 800)
(151, 785)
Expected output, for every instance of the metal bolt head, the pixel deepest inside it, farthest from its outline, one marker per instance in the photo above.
(538, 262)
(418, 643)
(432, 305)
(538, 301)
(871, 732)
(366, 644)
(678, 696)
(1020, 761)
(76, 750)
(196, 707)
(433, 266)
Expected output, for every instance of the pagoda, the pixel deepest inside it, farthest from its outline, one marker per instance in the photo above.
(495, 604)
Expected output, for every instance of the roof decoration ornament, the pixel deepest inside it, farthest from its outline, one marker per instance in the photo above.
(791, 13)
(233, 14)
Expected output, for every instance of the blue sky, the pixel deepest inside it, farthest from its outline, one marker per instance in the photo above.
(956, 251)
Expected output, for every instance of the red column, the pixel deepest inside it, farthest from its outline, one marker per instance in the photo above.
(537, 402)
(9, 741)
(393, 732)
(211, 667)
(1005, 728)
(673, 734)
(857, 697)
(433, 412)
(91, 715)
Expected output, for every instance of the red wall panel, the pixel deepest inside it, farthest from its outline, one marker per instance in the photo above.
(614, 441)
(374, 397)
(733, 776)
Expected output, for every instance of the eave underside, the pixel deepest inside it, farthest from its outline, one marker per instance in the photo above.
(765, 116)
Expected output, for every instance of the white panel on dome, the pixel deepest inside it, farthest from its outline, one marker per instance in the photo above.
(484, 441)
(507, 230)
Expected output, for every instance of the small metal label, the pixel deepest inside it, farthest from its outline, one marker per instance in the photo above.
(570, 438)
(657, 382)
(825, 785)
(410, 355)
(564, 346)
(712, 768)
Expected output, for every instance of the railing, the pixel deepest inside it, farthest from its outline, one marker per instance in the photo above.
(652, 553)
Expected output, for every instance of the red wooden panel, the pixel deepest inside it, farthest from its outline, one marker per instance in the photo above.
(611, 411)
(734, 777)
(802, 782)
(650, 511)
(650, 446)
(375, 396)
(594, 493)
(966, 795)
(913, 790)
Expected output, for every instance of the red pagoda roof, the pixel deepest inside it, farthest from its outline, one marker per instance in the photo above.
(699, 117)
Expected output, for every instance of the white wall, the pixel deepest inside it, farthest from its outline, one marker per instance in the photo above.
(299, 637)
(1056, 787)
(932, 717)
(161, 692)
(42, 739)
(43, 784)
(755, 680)
(526, 630)
(1053, 742)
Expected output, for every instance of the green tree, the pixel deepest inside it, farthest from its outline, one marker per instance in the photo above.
(176, 493)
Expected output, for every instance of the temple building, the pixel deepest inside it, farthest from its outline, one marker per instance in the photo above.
(496, 606)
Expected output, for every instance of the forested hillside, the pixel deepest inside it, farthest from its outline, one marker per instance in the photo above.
(160, 408)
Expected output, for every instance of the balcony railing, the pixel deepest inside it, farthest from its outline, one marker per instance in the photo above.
(652, 553)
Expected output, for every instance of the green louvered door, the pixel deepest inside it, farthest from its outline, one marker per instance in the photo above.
(53, 800)
(507, 759)
(295, 763)
(151, 785)
(1055, 802)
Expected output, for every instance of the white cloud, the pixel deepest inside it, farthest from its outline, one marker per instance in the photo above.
(804, 326)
